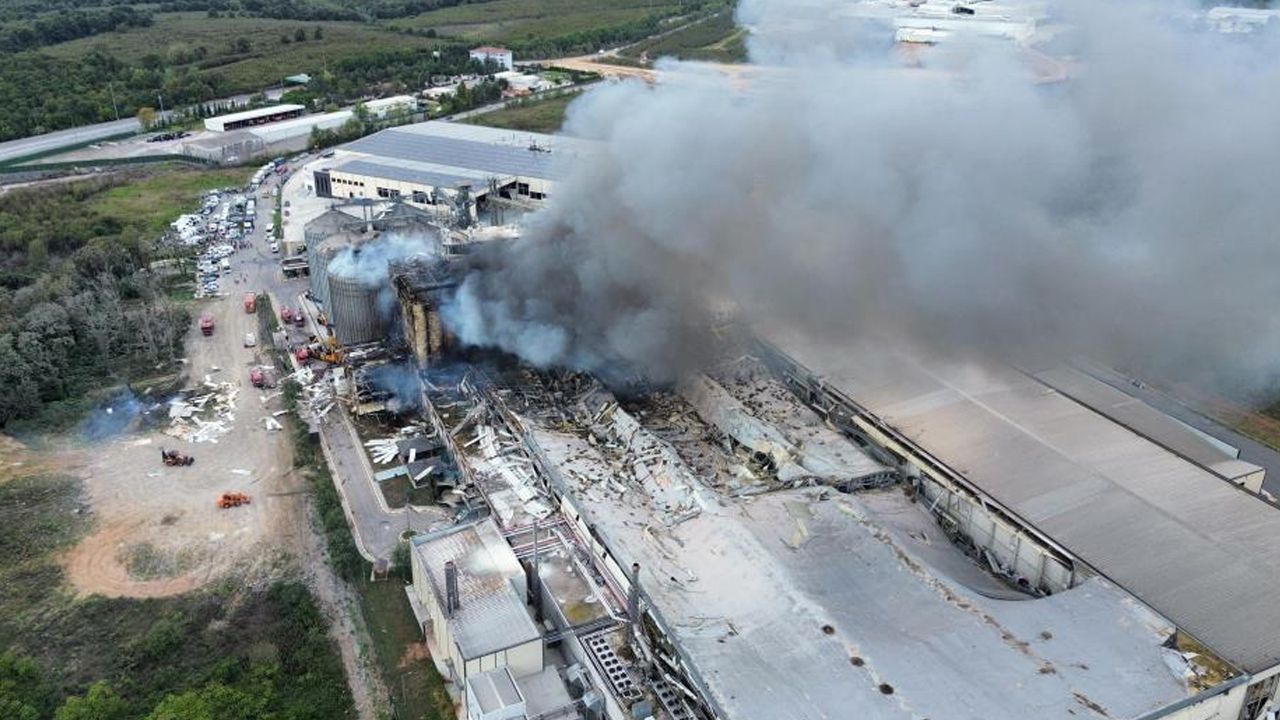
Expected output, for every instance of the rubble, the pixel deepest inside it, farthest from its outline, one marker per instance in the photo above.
(204, 413)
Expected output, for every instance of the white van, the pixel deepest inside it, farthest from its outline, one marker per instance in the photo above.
(226, 266)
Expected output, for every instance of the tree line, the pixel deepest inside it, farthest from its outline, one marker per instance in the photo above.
(67, 25)
(177, 670)
(78, 304)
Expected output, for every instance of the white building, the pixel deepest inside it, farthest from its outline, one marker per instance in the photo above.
(469, 594)
(383, 107)
(502, 56)
(415, 162)
(252, 118)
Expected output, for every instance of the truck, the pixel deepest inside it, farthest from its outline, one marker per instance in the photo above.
(250, 303)
(206, 324)
(286, 315)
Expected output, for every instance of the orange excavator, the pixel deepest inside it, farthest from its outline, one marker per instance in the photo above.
(232, 499)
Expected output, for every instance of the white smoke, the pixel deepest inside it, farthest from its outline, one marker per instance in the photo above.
(1127, 213)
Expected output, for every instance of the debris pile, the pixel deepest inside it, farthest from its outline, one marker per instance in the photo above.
(203, 413)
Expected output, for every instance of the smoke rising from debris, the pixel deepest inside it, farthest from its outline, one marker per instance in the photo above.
(1127, 213)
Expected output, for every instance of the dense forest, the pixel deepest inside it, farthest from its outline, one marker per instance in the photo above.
(78, 305)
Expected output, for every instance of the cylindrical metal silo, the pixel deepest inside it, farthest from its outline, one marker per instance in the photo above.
(353, 309)
(319, 254)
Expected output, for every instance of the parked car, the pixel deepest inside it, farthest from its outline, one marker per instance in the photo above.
(250, 339)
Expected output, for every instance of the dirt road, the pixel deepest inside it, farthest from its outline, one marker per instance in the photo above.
(158, 530)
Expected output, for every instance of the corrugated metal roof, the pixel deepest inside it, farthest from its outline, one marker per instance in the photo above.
(1197, 549)
(490, 151)
(768, 599)
(255, 113)
(407, 172)
(1145, 420)
(492, 615)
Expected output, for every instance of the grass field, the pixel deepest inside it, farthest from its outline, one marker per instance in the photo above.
(544, 115)
(417, 690)
(228, 636)
(714, 39)
(154, 201)
(177, 35)
(514, 22)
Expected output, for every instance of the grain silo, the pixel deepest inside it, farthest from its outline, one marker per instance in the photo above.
(320, 253)
(354, 310)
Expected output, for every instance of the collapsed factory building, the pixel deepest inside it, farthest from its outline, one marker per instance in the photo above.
(801, 530)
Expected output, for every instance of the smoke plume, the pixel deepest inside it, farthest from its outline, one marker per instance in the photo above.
(1115, 200)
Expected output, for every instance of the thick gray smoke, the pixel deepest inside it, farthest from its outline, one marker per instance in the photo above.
(370, 263)
(1127, 213)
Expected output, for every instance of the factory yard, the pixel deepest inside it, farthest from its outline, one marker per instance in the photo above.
(159, 532)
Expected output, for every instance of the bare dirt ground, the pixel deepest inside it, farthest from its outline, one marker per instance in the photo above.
(157, 529)
(167, 515)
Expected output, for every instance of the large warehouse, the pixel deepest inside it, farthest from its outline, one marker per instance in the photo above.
(1067, 475)
(251, 118)
(414, 162)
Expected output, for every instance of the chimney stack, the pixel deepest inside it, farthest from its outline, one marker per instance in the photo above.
(451, 600)
(633, 597)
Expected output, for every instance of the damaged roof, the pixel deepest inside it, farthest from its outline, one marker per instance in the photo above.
(492, 614)
(844, 605)
(1197, 549)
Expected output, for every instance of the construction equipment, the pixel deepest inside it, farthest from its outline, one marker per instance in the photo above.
(206, 324)
(232, 499)
(173, 458)
(331, 351)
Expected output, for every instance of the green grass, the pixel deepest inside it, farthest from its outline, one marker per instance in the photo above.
(267, 61)
(509, 21)
(154, 201)
(544, 115)
(268, 644)
(417, 689)
(398, 492)
(714, 39)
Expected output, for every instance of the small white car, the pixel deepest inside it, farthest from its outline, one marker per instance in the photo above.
(250, 339)
(275, 247)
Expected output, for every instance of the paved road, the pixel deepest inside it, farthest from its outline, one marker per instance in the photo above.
(376, 527)
(1250, 450)
(64, 138)
(58, 139)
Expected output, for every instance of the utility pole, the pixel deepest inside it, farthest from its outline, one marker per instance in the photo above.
(116, 108)
(161, 99)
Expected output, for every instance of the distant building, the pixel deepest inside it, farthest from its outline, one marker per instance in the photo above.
(502, 56)
(250, 118)
(299, 79)
(383, 107)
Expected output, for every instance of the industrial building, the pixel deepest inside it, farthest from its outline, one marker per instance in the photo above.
(256, 133)
(1058, 461)
(382, 107)
(470, 594)
(500, 55)
(426, 162)
(253, 118)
